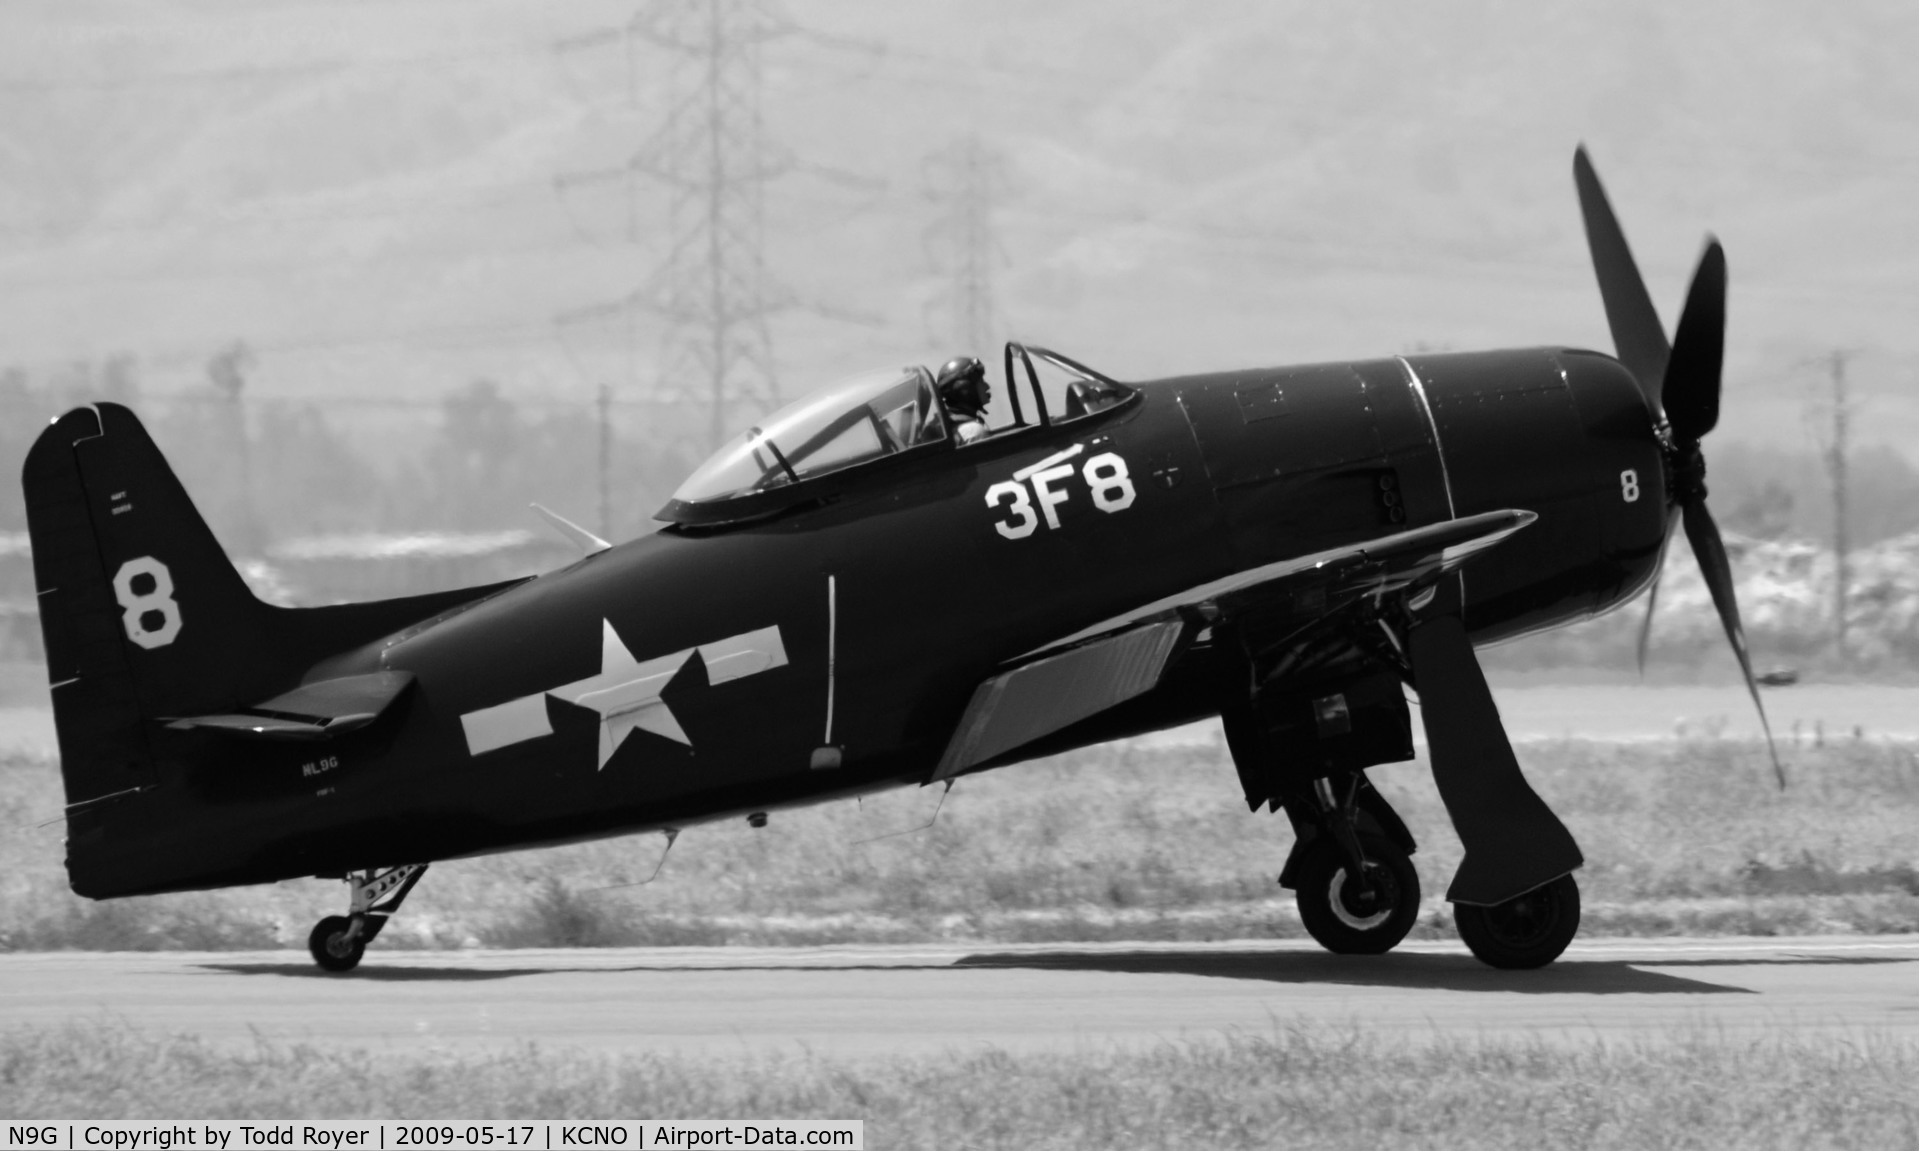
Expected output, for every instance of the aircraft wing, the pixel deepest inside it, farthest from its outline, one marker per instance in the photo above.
(318, 710)
(1081, 674)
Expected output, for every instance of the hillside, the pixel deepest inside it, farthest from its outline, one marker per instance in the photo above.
(1787, 600)
(366, 193)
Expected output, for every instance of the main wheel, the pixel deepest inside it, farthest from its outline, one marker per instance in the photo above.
(1527, 931)
(330, 947)
(1340, 914)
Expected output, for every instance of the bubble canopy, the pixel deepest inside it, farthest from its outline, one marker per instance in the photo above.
(866, 417)
(874, 417)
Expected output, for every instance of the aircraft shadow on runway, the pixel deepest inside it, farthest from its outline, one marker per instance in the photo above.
(1409, 970)
(1427, 972)
(380, 974)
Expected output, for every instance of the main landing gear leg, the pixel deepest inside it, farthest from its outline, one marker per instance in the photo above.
(1514, 899)
(338, 941)
(1357, 891)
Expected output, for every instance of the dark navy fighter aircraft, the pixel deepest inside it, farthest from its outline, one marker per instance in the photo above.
(847, 598)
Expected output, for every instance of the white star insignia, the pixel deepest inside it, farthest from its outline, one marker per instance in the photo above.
(625, 692)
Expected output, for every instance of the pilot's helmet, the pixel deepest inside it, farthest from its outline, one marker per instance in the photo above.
(962, 384)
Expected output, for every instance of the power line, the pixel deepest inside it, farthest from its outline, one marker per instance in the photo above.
(922, 69)
(1012, 79)
(283, 270)
(256, 72)
(436, 403)
(448, 335)
(428, 206)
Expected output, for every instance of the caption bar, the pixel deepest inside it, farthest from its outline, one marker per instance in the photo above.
(461, 1135)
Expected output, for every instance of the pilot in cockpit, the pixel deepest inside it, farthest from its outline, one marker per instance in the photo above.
(963, 389)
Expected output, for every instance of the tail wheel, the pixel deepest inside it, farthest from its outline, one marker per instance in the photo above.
(333, 944)
(1528, 931)
(1341, 913)
(338, 941)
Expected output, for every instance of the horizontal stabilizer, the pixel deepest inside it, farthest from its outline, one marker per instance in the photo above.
(320, 710)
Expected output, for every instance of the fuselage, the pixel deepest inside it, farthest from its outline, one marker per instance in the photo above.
(830, 649)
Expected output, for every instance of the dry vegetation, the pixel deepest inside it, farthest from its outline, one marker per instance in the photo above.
(1296, 1087)
(1123, 842)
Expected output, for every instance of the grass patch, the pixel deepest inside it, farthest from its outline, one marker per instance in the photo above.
(1296, 1087)
(1129, 841)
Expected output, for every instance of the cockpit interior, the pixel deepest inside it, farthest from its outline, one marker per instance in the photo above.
(889, 412)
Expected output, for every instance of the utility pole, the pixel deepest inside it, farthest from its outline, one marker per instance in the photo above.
(1836, 470)
(964, 181)
(710, 155)
(605, 406)
(226, 371)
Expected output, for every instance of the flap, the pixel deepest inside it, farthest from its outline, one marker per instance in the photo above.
(318, 710)
(1377, 565)
(1036, 699)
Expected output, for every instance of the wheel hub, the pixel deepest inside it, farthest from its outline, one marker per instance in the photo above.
(1359, 908)
(1520, 922)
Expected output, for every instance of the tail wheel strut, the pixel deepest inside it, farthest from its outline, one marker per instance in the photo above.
(338, 941)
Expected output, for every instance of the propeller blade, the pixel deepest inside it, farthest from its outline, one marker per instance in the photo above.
(1636, 332)
(1710, 550)
(1682, 380)
(1645, 625)
(1698, 349)
(1652, 593)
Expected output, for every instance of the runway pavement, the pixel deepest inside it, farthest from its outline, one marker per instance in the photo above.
(869, 1001)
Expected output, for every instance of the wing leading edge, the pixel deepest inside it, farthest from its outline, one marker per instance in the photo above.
(1098, 667)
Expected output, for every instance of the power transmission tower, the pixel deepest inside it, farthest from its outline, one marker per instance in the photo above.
(965, 181)
(710, 154)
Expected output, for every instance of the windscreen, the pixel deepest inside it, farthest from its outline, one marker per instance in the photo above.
(864, 418)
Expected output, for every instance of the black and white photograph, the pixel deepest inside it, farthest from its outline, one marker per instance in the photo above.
(958, 574)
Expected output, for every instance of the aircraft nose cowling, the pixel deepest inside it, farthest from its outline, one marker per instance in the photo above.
(1565, 435)
(1629, 474)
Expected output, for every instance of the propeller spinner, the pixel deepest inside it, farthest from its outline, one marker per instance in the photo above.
(1681, 382)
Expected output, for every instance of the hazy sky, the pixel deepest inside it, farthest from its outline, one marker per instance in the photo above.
(366, 192)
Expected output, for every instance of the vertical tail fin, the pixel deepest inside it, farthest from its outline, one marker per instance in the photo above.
(147, 620)
(142, 612)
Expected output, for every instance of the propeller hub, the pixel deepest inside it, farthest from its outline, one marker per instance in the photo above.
(1688, 468)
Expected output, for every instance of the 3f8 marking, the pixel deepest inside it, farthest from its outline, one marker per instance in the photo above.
(1106, 477)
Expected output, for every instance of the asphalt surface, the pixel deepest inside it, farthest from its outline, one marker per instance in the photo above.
(875, 1001)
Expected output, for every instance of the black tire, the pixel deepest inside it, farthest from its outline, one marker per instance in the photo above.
(1528, 931)
(330, 948)
(1339, 916)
